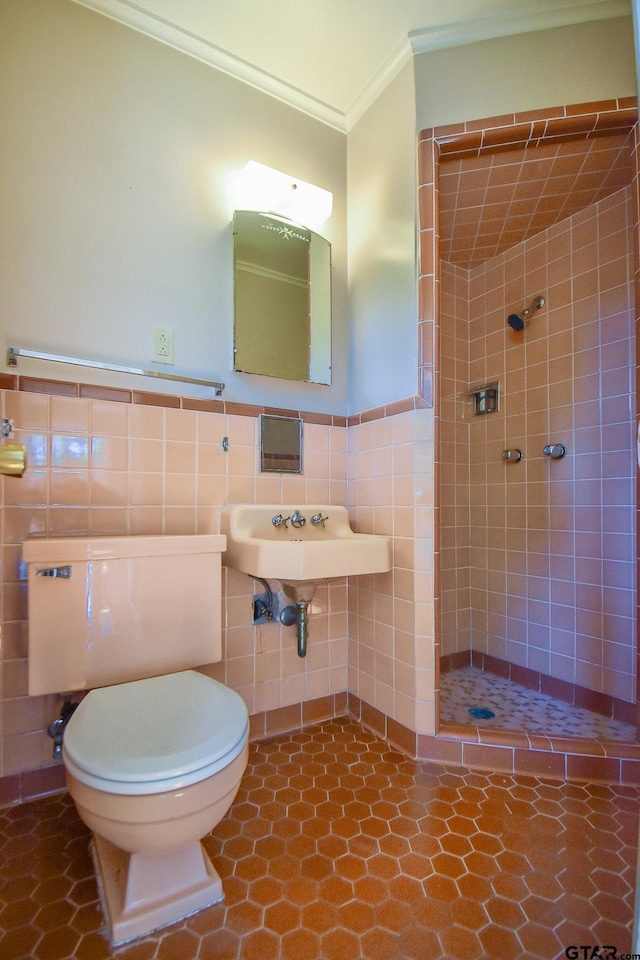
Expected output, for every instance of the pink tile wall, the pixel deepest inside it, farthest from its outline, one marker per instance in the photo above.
(552, 545)
(453, 446)
(391, 625)
(107, 468)
(635, 198)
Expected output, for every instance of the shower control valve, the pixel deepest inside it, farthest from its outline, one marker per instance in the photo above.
(555, 450)
(297, 519)
(317, 518)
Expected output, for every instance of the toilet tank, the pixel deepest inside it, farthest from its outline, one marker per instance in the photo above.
(104, 610)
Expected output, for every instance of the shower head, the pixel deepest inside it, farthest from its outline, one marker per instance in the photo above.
(517, 320)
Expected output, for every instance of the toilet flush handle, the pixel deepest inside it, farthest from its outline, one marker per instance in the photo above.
(63, 573)
(57, 727)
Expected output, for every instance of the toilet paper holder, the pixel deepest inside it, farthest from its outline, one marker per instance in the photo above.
(13, 459)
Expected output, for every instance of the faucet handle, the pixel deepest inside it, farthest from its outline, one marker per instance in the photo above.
(280, 521)
(317, 518)
(297, 519)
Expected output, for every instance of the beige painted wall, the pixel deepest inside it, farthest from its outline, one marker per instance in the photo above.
(117, 154)
(573, 64)
(547, 68)
(382, 264)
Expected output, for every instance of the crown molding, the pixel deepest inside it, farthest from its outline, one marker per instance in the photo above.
(542, 16)
(134, 16)
(402, 55)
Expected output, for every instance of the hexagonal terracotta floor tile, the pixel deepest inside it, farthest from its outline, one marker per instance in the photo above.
(338, 846)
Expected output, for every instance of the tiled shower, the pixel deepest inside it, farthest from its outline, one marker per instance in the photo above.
(538, 556)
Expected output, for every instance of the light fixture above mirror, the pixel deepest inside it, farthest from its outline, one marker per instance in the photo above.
(259, 187)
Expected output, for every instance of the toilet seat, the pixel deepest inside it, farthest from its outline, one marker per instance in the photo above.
(155, 735)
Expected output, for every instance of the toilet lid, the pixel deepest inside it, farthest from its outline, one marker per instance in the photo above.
(148, 732)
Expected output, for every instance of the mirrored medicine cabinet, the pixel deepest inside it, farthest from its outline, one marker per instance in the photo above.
(280, 444)
(282, 285)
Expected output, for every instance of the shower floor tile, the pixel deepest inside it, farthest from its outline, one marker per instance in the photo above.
(518, 708)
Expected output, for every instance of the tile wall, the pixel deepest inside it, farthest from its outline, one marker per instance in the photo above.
(523, 192)
(542, 574)
(116, 468)
(391, 624)
(104, 467)
(454, 476)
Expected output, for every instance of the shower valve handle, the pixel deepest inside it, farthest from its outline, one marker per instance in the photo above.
(555, 450)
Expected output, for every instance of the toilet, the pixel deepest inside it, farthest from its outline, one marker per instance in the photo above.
(155, 751)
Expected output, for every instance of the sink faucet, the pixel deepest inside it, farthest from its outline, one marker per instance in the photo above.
(297, 519)
(280, 521)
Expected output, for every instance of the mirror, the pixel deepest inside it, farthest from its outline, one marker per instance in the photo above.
(282, 279)
(280, 444)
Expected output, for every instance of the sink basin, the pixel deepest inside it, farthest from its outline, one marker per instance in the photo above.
(300, 556)
(301, 547)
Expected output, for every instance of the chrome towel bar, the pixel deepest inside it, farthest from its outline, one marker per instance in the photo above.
(13, 353)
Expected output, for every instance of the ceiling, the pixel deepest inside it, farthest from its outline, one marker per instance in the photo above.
(331, 58)
(490, 203)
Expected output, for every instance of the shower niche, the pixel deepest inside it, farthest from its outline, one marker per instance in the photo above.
(485, 399)
(537, 564)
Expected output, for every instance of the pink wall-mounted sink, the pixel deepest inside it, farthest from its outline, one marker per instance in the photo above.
(271, 541)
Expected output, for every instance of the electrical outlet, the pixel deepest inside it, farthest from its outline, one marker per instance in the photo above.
(162, 345)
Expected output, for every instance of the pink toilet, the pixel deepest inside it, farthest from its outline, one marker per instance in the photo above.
(155, 752)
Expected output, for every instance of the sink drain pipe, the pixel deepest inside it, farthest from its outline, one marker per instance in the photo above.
(300, 616)
(268, 608)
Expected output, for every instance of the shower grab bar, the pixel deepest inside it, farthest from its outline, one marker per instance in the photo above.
(13, 353)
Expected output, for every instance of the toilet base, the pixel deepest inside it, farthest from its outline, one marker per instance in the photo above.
(141, 892)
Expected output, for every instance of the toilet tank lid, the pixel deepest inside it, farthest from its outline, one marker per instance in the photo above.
(41, 550)
(156, 728)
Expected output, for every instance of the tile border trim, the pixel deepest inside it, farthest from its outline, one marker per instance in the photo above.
(31, 784)
(91, 391)
(510, 752)
(533, 127)
(297, 716)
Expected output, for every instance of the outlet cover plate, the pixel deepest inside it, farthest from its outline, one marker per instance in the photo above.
(163, 345)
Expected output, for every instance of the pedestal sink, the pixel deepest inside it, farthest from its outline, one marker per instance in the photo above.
(300, 546)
